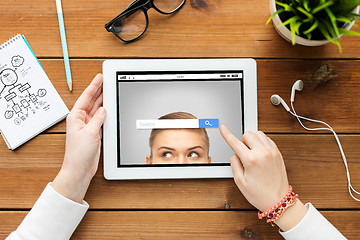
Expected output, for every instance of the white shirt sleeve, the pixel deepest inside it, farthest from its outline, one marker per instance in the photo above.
(52, 217)
(313, 226)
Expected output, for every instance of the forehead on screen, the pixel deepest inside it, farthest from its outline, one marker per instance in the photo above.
(179, 115)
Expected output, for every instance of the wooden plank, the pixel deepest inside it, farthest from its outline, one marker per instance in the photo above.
(330, 94)
(315, 169)
(181, 225)
(335, 99)
(231, 29)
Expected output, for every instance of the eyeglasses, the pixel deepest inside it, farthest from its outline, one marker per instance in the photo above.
(133, 21)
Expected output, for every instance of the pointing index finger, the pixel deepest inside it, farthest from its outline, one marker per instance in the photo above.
(236, 145)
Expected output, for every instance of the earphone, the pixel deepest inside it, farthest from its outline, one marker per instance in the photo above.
(298, 86)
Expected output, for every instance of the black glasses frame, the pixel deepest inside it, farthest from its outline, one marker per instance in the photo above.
(137, 5)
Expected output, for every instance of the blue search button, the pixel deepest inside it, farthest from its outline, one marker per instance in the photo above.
(208, 123)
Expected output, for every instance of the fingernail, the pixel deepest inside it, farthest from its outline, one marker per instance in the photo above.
(222, 127)
(101, 110)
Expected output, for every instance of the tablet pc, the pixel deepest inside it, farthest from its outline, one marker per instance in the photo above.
(163, 116)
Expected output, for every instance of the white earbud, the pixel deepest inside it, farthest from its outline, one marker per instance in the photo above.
(298, 85)
(276, 100)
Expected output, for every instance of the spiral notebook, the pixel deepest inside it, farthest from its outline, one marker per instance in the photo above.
(29, 103)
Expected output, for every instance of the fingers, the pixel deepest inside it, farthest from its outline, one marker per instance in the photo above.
(100, 132)
(236, 145)
(93, 100)
(237, 169)
(263, 138)
(75, 120)
(97, 120)
(272, 143)
(85, 98)
(251, 139)
(98, 103)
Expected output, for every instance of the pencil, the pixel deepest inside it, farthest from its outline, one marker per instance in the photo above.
(64, 44)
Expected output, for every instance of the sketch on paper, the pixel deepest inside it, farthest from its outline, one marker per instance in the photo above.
(21, 100)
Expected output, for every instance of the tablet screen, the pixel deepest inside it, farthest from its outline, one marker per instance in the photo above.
(172, 118)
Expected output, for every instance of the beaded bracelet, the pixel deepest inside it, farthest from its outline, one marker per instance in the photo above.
(278, 210)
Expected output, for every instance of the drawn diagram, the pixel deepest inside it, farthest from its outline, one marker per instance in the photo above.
(17, 61)
(21, 101)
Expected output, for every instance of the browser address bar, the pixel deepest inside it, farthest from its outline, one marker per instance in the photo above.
(208, 76)
(177, 123)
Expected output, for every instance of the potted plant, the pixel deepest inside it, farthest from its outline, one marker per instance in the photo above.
(314, 22)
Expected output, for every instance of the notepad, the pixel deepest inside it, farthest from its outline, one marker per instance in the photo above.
(29, 103)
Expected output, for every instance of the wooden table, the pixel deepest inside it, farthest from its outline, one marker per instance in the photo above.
(190, 209)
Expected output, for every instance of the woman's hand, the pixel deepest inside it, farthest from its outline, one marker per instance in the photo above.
(83, 141)
(258, 168)
(259, 172)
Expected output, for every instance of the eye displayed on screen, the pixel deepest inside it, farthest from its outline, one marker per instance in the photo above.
(167, 155)
(193, 155)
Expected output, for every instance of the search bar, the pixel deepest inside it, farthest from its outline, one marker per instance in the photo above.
(177, 123)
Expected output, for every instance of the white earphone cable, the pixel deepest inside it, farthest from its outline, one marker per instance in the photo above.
(329, 128)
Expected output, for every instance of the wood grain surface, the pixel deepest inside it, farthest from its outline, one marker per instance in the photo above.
(229, 28)
(315, 169)
(181, 225)
(194, 208)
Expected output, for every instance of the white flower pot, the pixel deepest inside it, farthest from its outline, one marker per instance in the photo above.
(285, 33)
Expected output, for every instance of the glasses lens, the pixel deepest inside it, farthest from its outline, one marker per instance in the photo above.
(168, 6)
(130, 26)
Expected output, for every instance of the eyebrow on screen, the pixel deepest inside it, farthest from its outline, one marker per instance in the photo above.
(168, 148)
(173, 149)
(196, 147)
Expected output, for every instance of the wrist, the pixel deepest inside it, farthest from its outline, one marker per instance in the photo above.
(287, 213)
(292, 216)
(71, 185)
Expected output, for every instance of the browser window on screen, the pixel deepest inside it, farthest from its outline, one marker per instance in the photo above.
(173, 118)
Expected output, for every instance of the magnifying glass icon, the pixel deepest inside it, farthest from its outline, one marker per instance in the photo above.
(207, 122)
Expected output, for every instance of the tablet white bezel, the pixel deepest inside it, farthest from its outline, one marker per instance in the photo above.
(110, 67)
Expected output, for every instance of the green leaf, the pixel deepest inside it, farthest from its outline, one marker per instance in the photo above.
(343, 19)
(287, 7)
(333, 21)
(349, 32)
(344, 7)
(292, 29)
(277, 12)
(309, 15)
(306, 5)
(289, 21)
(321, 7)
(325, 33)
(330, 29)
(353, 15)
(296, 27)
(312, 28)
